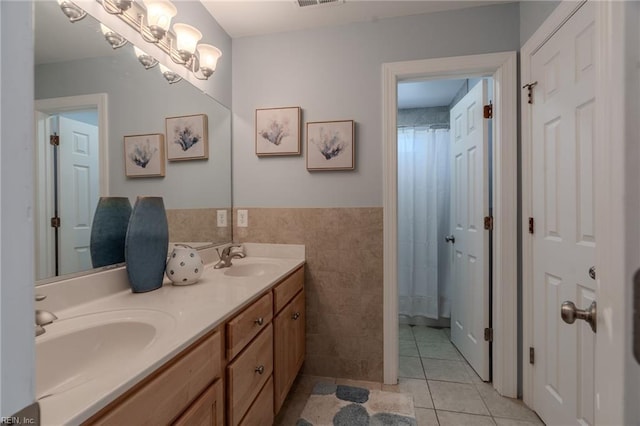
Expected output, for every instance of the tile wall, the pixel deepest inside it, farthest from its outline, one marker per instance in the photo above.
(343, 282)
(197, 225)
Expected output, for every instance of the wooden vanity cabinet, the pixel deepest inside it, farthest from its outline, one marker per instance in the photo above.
(288, 334)
(238, 374)
(262, 369)
(162, 398)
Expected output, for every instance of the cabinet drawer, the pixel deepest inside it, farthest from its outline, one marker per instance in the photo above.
(170, 391)
(261, 412)
(288, 288)
(246, 325)
(207, 410)
(247, 374)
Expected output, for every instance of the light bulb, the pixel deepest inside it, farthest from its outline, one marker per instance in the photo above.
(160, 13)
(187, 38)
(209, 56)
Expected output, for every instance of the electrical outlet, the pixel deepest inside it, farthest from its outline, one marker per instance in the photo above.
(243, 218)
(221, 218)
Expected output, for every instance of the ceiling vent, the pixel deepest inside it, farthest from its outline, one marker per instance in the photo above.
(317, 3)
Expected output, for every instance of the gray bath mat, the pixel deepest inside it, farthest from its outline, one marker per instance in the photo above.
(337, 405)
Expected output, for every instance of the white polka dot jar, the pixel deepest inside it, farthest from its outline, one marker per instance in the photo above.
(184, 266)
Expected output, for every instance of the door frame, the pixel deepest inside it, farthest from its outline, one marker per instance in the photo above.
(613, 264)
(503, 68)
(43, 200)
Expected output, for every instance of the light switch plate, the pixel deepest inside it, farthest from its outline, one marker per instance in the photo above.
(243, 218)
(221, 218)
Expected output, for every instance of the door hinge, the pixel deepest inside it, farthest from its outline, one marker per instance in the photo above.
(54, 139)
(488, 223)
(532, 356)
(488, 110)
(488, 334)
(55, 222)
(530, 87)
(531, 225)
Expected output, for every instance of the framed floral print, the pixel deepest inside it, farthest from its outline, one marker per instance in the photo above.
(331, 145)
(278, 131)
(144, 155)
(187, 137)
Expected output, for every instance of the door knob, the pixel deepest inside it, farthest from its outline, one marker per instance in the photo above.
(450, 239)
(570, 313)
(592, 272)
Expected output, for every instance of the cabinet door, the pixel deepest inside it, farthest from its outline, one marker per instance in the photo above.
(289, 347)
(207, 410)
(261, 412)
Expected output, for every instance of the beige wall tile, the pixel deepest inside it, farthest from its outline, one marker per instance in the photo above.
(343, 283)
(197, 225)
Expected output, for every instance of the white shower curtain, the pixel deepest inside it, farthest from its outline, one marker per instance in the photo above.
(423, 222)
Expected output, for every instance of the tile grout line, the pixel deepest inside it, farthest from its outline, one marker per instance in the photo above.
(426, 380)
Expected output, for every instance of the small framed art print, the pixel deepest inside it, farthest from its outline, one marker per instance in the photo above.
(278, 131)
(331, 145)
(187, 137)
(144, 155)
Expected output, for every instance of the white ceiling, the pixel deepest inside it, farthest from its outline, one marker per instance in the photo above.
(423, 94)
(241, 18)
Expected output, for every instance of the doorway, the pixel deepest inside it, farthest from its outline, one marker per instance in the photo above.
(501, 67)
(444, 182)
(71, 174)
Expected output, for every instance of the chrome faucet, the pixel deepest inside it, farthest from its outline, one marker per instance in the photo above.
(43, 317)
(227, 255)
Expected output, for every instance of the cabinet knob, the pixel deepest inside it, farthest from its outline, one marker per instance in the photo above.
(296, 316)
(259, 321)
(259, 369)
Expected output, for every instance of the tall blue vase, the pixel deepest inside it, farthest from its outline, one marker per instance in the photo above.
(146, 245)
(109, 230)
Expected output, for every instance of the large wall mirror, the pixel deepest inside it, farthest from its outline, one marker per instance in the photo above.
(84, 87)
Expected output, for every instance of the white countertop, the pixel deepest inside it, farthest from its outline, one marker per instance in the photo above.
(195, 309)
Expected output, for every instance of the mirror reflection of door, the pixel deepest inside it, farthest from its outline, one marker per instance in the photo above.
(68, 183)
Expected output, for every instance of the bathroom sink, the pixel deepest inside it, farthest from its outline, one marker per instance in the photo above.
(250, 269)
(76, 350)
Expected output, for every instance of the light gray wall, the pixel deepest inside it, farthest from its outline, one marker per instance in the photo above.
(138, 102)
(17, 346)
(335, 74)
(532, 15)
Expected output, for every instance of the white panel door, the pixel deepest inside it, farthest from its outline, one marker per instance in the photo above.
(563, 125)
(469, 205)
(78, 192)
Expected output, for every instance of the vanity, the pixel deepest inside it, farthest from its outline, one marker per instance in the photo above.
(224, 351)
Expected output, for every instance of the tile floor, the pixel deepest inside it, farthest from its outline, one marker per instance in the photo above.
(446, 391)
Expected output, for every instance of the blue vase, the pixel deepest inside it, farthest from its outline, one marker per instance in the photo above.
(109, 230)
(146, 244)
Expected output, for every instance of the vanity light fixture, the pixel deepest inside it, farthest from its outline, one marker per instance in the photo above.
(169, 75)
(73, 12)
(147, 61)
(112, 37)
(153, 22)
(116, 7)
(159, 15)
